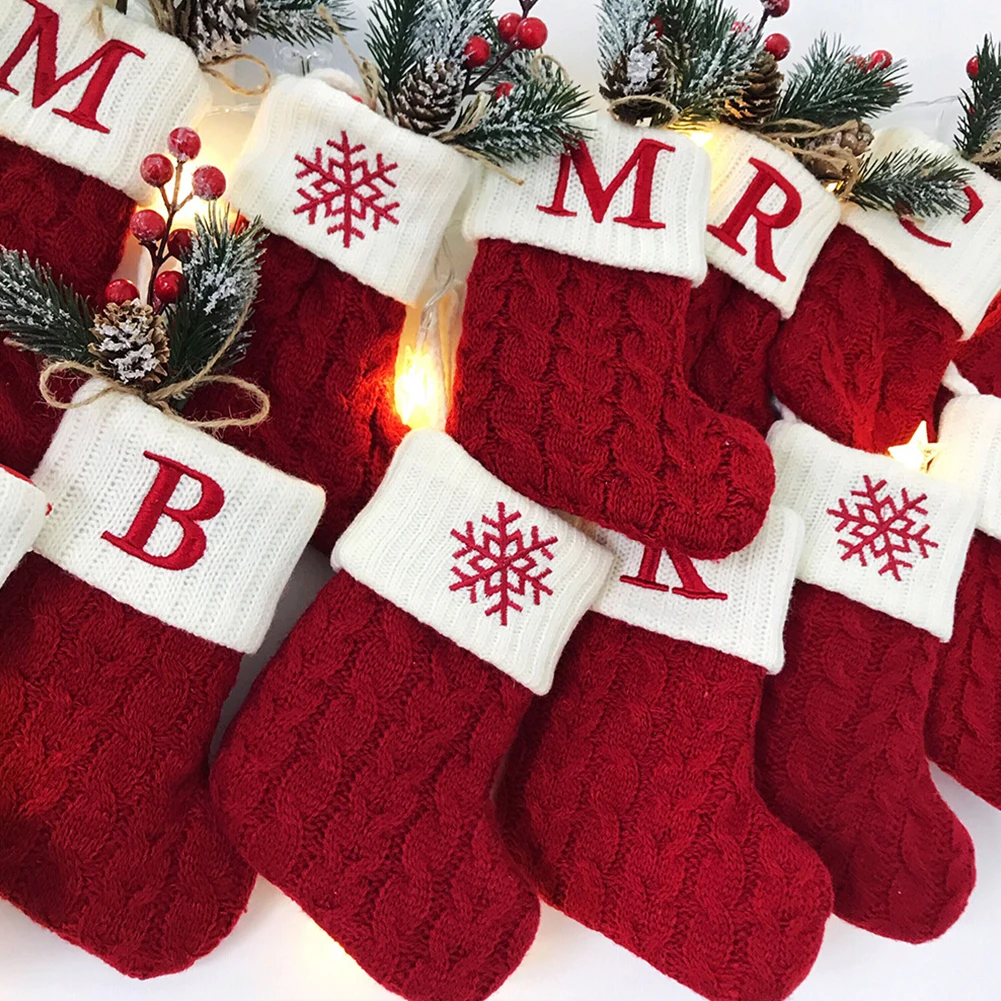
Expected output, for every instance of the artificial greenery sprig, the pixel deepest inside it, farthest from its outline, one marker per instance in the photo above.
(911, 182)
(980, 123)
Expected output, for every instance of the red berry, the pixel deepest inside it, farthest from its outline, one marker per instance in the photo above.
(879, 60)
(507, 26)
(740, 26)
(168, 286)
(147, 226)
(208, 183)
(476, 52)
(179, 242)
(185, 144)
(157, 170)
(778, 45)
(657, 23)
(503, 90)
(532, 33)
(973, 68)
(775, 8)
(121, 291)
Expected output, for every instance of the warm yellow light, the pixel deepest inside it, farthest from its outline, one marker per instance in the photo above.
(918, 453)
(417, 390)
(700, 137)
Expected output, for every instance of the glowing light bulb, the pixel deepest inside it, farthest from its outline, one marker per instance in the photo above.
(918, 453)
(700, 137)
(418, 393)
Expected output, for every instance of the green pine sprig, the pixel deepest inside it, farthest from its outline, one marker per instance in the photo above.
(834, 84)
(982, 102)
(41, 313)
(393, 36)
(537, 119)
(222, 274)
(911, 182)
(300, 22)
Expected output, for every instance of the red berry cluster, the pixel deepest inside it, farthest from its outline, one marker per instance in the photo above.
(154, 232)
(517, 30)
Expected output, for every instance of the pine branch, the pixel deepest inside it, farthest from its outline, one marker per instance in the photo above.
(912, 183)
(40, 313)
(982, 102)
(622, 26)
(221, 272)
(536, 119)
(715, 58)
(392, 41)
(833, 84)
(299, 22)
(445, 26)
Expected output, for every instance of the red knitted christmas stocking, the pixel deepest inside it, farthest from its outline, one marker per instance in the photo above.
(570, 366)
(629, 797)
(358, 774)
(963, 726)
(339, 266)
(768, 220)
(840, 743)
(160, 563)
(69, 161)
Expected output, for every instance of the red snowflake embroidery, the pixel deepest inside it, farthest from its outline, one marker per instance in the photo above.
(503, 563)
(347, 189)
(883, 529)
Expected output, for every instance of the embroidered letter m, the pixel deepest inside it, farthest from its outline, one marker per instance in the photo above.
(43, 32)
(642, 163)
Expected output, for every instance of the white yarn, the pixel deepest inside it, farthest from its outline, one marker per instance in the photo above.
(22, 512)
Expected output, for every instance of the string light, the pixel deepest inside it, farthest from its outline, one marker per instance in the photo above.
(918, 453)
(417, 390)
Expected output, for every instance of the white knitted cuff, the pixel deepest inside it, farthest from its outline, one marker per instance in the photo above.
(170, 521)
(970, 436)
(459, 550)
(737, 605)
(876, 532)
(629, 197)
(97, 102)
(22, 511)
(351, 187)
(956, 259)
(769, 217)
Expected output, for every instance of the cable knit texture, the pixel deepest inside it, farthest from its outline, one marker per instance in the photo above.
(324, 348)
(629, 799)
(570, 379)
(729, 332)
(75, 225)
(963, 727)
(106, 716)
(840, 751)
(357, 777)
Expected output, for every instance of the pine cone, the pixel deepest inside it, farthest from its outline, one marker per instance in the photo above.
(216, 29)
(992, 148)
(130, 344)
(855, 140)
(647, 68)
(759, 93)
(429, 96)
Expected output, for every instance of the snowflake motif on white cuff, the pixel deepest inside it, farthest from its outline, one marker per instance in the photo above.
(465, 554)
(343, 182)
(876, 532)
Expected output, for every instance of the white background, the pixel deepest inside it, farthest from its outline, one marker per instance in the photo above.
(277, 953)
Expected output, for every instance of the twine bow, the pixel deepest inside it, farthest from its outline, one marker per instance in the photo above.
(161, 397)
(784, 133)
(262, 88)
(641, 100)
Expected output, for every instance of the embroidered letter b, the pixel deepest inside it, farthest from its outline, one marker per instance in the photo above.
(155, 505)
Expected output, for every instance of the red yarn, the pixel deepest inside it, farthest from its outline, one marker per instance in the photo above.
(106, 716)
(569, 387)
(74, 224)
(963, 726)
(840, 751)
(324, 348)
(729, 332)
(629, 799)
(357, 777)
